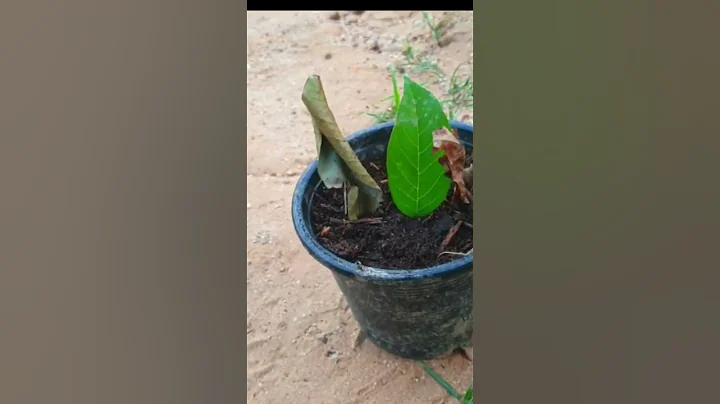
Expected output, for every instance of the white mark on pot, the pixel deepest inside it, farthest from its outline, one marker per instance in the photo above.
(460, 327)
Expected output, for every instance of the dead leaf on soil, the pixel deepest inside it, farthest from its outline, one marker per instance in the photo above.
(337, 162)
(453, 160)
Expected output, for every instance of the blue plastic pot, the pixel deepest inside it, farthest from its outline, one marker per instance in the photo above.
(418, 314)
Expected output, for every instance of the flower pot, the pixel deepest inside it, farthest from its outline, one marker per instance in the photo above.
(417, 314)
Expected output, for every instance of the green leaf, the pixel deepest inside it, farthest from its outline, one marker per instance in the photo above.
(417, 180)
(337, 162)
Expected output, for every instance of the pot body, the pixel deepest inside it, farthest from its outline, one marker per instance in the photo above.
(417, 314)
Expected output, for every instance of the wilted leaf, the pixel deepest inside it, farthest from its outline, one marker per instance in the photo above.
(453, 159)
(417, 181)
(337, 162)
(353, 194)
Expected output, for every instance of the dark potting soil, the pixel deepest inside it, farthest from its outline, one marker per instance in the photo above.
(390, 239)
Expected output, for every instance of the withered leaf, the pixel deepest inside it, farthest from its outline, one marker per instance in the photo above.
(453, 159)
(337, 162)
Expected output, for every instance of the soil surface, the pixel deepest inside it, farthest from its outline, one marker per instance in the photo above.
(302, 343)
(389, 239)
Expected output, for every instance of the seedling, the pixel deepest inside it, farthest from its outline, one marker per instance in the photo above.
(457, 88)
(390, 112)
(344, 216)
(437, 29)
(424, 160)
(422, 149)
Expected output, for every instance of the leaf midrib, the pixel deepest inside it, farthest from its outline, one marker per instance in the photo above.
(418, 172)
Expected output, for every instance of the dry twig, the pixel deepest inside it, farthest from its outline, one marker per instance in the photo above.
(366, 220)
(324, 232)
(451, 234)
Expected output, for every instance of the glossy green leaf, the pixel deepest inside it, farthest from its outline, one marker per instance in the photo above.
(417, 181)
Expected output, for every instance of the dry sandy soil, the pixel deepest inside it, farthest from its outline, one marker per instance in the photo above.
(300, 332)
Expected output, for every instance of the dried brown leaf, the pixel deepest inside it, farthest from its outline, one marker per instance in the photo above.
(454, 161)
(338, 165)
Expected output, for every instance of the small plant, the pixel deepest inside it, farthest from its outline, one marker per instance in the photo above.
(457, 88)
(344, 215)
(418, 64)
(460, 91)
(422, 149)
(466, 398)
(385, 116)
(437, 29)
(389, 114)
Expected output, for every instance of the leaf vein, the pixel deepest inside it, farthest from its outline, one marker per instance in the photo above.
(412, 163)
(431, 188)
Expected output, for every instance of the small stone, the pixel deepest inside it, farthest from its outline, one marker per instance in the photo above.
(334, 16)
(328, 56)
(373, 45)
(445, 41)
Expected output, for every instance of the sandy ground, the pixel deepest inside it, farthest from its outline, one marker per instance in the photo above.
(300, 332)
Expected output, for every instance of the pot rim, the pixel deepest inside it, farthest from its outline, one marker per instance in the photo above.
(351, 269)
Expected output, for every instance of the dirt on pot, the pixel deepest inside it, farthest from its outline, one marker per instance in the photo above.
(389, 239)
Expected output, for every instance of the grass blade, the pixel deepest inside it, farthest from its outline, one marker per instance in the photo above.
(468, 399)
(445, 385)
